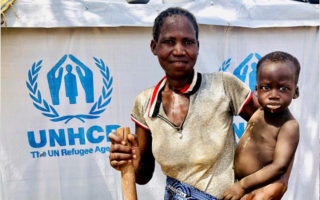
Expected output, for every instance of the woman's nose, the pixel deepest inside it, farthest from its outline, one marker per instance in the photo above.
(179, 49)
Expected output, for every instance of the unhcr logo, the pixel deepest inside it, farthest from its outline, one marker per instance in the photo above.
(66, 75)
(246, 71)
(70, 91)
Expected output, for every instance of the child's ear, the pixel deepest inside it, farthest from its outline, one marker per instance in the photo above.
(153, 46)
(256, 91)
(296, 93)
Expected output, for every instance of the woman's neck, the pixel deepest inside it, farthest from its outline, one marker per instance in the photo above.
(177, 84)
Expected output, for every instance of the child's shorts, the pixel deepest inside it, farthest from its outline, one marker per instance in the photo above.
(177, 190)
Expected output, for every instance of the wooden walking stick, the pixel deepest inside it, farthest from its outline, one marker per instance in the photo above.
(127, 172)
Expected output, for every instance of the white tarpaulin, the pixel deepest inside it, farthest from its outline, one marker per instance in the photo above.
(63, 90)
(110, 13)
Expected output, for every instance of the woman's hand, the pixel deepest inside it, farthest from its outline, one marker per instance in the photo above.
(120, 154)
(140, 154)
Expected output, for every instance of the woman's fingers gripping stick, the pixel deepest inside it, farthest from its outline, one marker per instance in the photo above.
(114, 138)
(123, 134)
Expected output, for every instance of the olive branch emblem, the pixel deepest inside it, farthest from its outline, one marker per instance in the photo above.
(49, 111)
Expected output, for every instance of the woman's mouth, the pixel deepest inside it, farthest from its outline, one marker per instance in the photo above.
(179, 64)
(179, 61)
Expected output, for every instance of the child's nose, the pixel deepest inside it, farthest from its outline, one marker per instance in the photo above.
(274, 94)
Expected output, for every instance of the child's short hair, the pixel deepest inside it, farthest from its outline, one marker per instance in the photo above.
(158, 22)
(279, 56)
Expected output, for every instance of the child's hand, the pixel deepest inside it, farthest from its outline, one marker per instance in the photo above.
(235, 192)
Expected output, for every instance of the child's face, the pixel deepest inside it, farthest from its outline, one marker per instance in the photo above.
(177, 47)
(276, 85)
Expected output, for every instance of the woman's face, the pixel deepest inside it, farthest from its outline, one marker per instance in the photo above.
(177, 47)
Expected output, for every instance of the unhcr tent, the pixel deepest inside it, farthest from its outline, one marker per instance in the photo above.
(53, 139)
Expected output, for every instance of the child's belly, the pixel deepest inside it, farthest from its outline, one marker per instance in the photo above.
(250, 156)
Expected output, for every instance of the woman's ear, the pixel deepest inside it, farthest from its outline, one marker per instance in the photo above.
(198, 46)
(296, 93)
(153, 46)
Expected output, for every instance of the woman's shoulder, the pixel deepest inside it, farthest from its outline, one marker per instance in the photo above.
(217, 77)
(145, 94)
(228, 79)
(147, 90)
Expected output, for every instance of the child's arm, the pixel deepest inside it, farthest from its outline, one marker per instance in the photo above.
(271, 191)
(287, 142)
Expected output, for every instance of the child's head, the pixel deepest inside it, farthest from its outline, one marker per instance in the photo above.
(158, 22)
(279, 56)
(277, 78)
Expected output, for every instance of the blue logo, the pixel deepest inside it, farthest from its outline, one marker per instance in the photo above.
(242, 71)
(246, 71)
(54, 79)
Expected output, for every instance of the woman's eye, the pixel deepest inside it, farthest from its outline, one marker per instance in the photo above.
(168, 42)
(265, 87)
(188, 42)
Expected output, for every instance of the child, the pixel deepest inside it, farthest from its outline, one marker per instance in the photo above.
(266, 150)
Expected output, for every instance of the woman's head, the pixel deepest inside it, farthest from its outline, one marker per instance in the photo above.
(176, 43)
(158, 22)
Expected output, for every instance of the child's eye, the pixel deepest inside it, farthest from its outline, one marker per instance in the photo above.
(265, 87)
(283, 88)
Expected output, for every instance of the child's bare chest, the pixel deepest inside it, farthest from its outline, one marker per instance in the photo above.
(261, 134)
(256, 146)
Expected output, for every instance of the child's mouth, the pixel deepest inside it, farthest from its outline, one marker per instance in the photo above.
(273, 106)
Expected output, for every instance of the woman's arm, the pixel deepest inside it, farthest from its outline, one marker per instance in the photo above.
(250, 108)
(145, 168)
